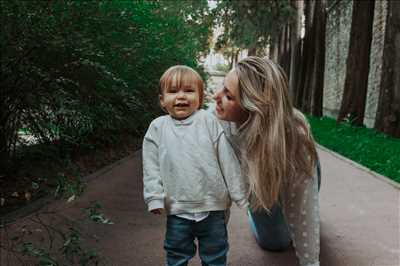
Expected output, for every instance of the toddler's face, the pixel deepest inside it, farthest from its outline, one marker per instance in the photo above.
(180, 102)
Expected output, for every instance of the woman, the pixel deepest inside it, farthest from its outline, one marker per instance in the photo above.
(278, 155)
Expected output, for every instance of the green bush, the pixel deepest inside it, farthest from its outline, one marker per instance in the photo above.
(74, 73)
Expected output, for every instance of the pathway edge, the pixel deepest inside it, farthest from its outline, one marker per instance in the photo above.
(361, 167)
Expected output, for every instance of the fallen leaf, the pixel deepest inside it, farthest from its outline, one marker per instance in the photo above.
(71, 198)
(35, 185)
(28, 196)
(15, 194)
(2, 201)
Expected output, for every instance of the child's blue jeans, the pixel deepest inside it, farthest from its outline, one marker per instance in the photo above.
(212, 239)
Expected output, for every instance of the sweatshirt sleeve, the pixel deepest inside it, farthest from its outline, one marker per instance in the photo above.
(231, 171)
(302, 214)
(153, 190)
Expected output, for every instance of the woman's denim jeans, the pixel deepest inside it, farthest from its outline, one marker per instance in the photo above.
(270, 230)
(212, 239)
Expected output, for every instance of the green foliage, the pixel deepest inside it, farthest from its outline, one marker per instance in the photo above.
(374, 150)
(68, 187)
(251, 23)
(74, 252)
(49, 239)
(43, 257)
(73, 73)
(94, 215)
(222, 68)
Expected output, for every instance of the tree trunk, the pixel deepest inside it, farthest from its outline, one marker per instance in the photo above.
(357, 65)
(237, 56)
(4, 154)
(284, 49)
(298, 93)
(232, 59)
(309, 46)
(295, 48)
(274, 50)
(319, 65)
(286, 54)
(4, 133)
(281, 45)
(252, 50)
(305, 51)
(388, 114)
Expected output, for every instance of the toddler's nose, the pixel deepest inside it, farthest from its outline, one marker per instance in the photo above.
(181, 94)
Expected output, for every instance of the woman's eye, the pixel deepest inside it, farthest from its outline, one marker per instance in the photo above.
(227, 95)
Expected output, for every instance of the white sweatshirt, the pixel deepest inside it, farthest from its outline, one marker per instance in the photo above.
(190, 167)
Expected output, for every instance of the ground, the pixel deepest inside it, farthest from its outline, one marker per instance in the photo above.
(359, 220)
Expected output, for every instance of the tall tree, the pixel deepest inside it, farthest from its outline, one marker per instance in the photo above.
(357, 65)
(228, 50)
(388, 114)
(311, 59)
(317, 84)
(252, 24)
(284, 50)
(295, 46)
(301, 93)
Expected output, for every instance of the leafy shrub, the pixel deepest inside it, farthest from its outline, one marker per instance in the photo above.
(73, 73)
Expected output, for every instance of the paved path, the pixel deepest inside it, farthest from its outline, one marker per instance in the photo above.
(359, 220)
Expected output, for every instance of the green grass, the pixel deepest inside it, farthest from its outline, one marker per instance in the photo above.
(374, 150)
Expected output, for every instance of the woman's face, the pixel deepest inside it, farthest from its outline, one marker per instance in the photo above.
(227, 101)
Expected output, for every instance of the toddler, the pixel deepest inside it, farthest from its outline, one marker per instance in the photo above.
(190, 172)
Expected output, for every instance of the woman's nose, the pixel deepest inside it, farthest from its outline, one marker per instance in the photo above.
(216, 94)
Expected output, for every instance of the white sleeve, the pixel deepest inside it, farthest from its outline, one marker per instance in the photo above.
(228, 162)
(302, 215)
(153, 190)
(230, 167)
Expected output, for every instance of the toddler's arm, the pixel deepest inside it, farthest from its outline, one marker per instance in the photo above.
(153, 190)
(230, 167)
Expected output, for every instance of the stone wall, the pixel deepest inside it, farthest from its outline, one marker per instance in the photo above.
(337, 45)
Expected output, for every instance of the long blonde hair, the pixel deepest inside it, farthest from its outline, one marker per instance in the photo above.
(278, 146)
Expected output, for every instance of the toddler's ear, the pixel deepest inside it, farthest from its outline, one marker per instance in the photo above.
(161, 98)
(162, 103)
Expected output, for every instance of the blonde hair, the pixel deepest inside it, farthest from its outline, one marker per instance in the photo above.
(278, 146)
(179, 76)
